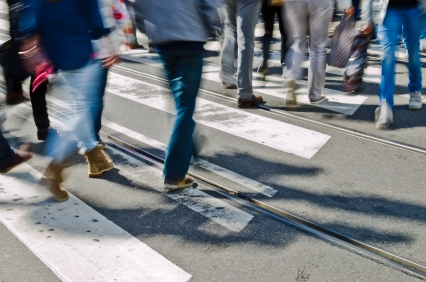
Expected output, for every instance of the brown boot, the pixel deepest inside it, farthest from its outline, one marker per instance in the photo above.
(98, 161)
(54, 173)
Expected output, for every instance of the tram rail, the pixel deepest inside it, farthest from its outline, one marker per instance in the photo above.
(287, 114)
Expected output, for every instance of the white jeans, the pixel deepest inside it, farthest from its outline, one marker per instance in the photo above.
(313, 18)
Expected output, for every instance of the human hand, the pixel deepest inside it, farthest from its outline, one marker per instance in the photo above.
(368, 30)
(110, 61)
(349, 12)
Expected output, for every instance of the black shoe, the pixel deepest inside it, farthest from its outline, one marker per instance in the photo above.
(42, 133)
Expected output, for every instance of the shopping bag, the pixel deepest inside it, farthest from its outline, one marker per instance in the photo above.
(356, 63)
(341, 43)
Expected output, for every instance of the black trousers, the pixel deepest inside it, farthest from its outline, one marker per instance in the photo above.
(269, 13)
(38, 101)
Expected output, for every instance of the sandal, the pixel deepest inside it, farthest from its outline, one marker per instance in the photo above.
(171, 186)
(252, 101)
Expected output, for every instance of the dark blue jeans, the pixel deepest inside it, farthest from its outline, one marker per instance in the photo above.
(97, 111)
(6, 153)
(183, 69)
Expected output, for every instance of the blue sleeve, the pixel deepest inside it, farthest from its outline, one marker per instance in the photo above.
(355, 3)
(27, 23)
(94, 19)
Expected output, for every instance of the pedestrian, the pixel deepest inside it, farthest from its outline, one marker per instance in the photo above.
(180, 40)
(270, 9)
(115, 17)
(313, 18)
(66, 29)
(391, 16)
(14, 74)
(240, 23)
(8, 157)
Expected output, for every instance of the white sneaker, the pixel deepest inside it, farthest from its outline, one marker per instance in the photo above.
(415, 100)
(423, 45)
(384, 116)
(291, 85)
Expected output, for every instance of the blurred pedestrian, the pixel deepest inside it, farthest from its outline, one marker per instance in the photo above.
(180, 40)
(270, 9)
(391, 16)
(134, 43)
(240, 22)
(15, 73)
(8, 157)
(313, 18)
(65, 30)
(115, 17)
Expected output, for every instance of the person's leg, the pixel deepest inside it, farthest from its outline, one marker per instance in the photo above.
(227, 55)
(83, 84)
(39, 106)
(388, 33)
(412, 26)
(247, 16)
(296, 16)
(184, 69)
(320, 15)
(284, 39)
(99, 106)
(9, 159)
(268, 20)
(6, 153)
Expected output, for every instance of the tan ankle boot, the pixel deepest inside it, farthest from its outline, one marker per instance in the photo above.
(98, 161)
(53, 172)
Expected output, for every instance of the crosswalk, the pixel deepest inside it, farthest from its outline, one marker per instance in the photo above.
(86, 246)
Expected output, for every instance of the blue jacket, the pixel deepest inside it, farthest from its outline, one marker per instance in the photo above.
(66, 28)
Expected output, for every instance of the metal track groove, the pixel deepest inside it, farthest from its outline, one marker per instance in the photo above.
(287, 114)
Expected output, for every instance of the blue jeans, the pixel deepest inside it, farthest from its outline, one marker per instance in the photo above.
(83, 85)
(6, 153)
(100, 106)
(423, 27)
(389, 32)
(183, 69)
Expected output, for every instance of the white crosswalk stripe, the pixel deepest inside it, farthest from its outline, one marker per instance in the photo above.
(75, 241)
(265, 131)
(230, 175)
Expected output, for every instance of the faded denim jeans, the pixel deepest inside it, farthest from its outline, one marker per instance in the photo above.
(82, 86)
(240, 23)
(395, 19)
(183, 69)
(313, 18)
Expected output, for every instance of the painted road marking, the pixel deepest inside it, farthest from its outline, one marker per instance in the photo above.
(58, 233)
(225, 173)
(275, 134)
(338, 101)
(217, 210)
